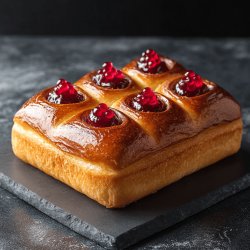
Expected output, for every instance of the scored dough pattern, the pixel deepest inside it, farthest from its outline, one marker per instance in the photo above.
(140, 133)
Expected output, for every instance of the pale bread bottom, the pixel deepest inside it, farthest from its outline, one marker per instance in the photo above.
(118, 188)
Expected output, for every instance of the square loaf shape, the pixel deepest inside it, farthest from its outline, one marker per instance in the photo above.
(120, 164)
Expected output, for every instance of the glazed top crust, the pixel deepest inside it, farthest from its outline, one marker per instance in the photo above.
(143, 80)
(140, 133)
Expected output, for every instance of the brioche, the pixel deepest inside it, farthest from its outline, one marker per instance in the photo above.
(143, 152)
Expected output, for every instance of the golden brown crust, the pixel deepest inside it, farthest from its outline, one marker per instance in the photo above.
(102, 94)
(44, 115)
(164, 126)
(139, 134)
(212, 107)
(117, 188)
(174, 71)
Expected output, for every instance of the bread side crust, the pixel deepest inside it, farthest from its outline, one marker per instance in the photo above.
(118, 188)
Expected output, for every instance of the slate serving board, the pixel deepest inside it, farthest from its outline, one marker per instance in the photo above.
(120, 228)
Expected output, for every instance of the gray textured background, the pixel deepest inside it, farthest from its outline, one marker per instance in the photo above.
(30, 64)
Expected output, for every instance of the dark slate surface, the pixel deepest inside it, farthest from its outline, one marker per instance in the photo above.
(28, 64)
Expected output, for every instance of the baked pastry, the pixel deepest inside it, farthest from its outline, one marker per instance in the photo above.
(119, 135)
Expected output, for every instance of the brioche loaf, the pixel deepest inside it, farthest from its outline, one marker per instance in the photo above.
(142, 153)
